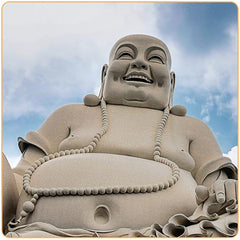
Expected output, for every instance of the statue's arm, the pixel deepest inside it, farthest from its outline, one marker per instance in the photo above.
(207, 154)
(212, 169)
(42, 142)
(9, 193)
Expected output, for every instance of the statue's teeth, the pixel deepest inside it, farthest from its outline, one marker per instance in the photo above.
(139, 77)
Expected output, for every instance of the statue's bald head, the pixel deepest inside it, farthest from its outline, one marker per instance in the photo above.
(144, 38)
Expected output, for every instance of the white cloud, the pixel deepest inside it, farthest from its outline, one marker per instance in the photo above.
(210, 72)
(189, 100)
(56, 51)
(207, 108)
(206, 119)
(232, 154)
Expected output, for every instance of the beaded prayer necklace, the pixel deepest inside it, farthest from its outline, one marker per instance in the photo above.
(29, 206)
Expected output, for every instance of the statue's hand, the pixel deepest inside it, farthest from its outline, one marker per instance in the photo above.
(224, 191)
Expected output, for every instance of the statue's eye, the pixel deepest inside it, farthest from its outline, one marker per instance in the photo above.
(157, 55)
(125, 55)
(156, 59)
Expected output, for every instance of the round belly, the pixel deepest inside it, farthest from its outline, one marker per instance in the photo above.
(118, 192)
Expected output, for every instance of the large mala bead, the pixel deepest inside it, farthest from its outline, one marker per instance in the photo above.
(91, 100)
(28, 206)
(178, 110)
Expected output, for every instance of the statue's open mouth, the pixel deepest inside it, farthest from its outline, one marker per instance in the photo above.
(137, 78)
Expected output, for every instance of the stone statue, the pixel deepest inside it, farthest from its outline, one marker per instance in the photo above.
(125, 163)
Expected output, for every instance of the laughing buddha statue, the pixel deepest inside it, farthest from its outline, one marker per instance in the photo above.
(125, 163)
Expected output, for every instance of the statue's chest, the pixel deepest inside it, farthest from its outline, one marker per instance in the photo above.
(132, 132)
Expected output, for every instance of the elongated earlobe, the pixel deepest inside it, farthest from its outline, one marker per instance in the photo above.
(177, 110)
(172, 78)
(92, 100)
(104, 72)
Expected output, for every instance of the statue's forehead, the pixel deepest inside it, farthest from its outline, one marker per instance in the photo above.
(135, 40)
(140, 40)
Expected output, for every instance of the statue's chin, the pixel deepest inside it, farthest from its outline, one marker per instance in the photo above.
(119, 192)
(142, 103)
(134, 103)
(129, 95)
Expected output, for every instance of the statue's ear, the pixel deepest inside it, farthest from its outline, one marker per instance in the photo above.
(104, 72)
(172, 78)
(177, 110)
(103, 75)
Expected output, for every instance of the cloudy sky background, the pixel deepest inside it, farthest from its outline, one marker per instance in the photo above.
(53, 54)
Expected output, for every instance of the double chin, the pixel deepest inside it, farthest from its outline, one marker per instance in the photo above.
(135, 95)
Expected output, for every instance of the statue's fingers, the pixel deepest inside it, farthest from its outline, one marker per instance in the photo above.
(230, 189)
(219, 190)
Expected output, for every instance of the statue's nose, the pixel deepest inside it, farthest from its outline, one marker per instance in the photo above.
(139, 64)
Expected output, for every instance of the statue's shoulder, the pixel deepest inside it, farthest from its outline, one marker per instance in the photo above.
(196, 121)
(196, 126)
(65, 114)
(62, 119)
(70, 108)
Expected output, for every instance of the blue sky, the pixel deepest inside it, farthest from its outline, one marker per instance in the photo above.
(53, 55)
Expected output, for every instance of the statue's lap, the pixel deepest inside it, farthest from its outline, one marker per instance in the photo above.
(105, 211)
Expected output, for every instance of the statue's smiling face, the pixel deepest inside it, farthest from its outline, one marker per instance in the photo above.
(138, 73)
